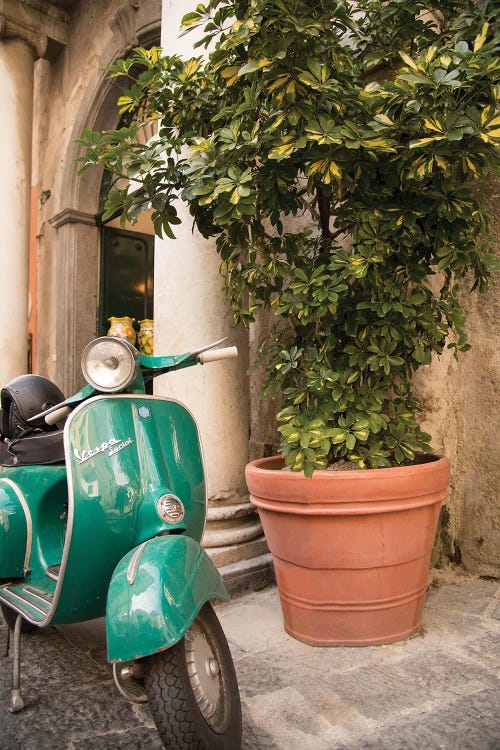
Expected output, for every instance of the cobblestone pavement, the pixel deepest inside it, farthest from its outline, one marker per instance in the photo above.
(436, 691)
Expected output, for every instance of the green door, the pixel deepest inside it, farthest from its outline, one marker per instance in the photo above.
(127, 263)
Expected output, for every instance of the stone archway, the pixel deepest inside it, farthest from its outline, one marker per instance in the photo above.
(74, 245)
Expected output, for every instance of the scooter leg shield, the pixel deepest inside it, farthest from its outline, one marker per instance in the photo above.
(155, 593)
(14, 542)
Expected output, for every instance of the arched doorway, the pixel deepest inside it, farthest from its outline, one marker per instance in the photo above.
(82, 251)
(126, 267)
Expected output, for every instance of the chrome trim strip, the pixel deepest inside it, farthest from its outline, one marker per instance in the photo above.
(33, 592)
(29, 522)
(134, 562)
(70, 518)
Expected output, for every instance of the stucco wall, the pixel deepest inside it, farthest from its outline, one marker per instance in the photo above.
(462, 413)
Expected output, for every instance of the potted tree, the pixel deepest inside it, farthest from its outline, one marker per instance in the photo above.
(369, 123)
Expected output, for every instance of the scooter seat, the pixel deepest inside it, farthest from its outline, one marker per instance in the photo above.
(39, 448)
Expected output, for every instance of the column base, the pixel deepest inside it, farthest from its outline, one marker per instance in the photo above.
(249, 575)
(235, 543)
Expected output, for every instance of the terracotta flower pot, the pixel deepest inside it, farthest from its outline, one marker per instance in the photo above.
(351, 548)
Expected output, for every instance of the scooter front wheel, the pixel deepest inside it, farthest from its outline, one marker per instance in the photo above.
(193, 691)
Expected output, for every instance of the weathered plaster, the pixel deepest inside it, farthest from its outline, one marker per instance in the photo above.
(462, 413)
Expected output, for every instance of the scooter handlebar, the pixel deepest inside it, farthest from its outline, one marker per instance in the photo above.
(212, 355)
(57, 416)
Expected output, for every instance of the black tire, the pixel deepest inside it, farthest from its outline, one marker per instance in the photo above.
(10, 617)
(191, 710)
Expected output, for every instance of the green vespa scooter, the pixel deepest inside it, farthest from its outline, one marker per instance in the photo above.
(105, 517)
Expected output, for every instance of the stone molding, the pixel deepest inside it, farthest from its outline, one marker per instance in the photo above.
(72, 216)
(131, 21)
(12, 30)
(233, 533)
(123, 26)
(46, 8)
(38, 23)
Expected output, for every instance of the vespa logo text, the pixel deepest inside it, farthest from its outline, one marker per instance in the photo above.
(112, 446)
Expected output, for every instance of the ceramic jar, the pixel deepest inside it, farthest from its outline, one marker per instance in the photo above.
(145, 337)
(122, 328)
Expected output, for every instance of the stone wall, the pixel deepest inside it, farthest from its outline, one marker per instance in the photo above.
(462, 413)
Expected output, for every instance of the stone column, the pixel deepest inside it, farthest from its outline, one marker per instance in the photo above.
(27, 31)
(190, 311)
(77, 299)
(16, 95)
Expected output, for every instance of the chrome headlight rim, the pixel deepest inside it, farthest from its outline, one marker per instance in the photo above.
(128, 363)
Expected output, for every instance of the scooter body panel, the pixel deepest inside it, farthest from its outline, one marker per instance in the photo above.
(41, 494)
(124, 453)
(155, 594)
(14, 520)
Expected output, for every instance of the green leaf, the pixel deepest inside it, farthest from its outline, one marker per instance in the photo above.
(190, 19)
(407, 59)
(350, 441)
(305, 439)
(426, 141)
(338, 436)
(254, 65)
(412, 78)
(481, 38)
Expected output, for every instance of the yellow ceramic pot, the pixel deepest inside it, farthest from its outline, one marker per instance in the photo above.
(122, 328)
(145, 337)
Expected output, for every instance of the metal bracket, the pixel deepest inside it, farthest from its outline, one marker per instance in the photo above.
(16, 699)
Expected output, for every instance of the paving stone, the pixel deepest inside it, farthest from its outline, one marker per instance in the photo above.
(437, 691)
(408, 684)
(252, 625)
(293, 722)
(471, 595)
(445, 627)
(255, 737)
(496, 612)
(126, 739)
(485, 650)
(67, 696)
(468, 724)
(257, 675)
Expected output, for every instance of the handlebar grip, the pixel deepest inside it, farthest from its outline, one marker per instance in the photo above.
(57, 416)
(212, 355)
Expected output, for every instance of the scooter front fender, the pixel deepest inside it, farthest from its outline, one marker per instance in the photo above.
(155, 593)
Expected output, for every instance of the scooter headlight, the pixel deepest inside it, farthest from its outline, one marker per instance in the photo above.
(109, 364)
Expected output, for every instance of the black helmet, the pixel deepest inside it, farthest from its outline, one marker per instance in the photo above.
(21, 399)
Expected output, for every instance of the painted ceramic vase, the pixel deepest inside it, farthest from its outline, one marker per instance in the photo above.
(145, 337)
(122, 328)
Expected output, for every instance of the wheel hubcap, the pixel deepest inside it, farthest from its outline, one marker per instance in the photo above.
(204, 673)
(213, 667)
